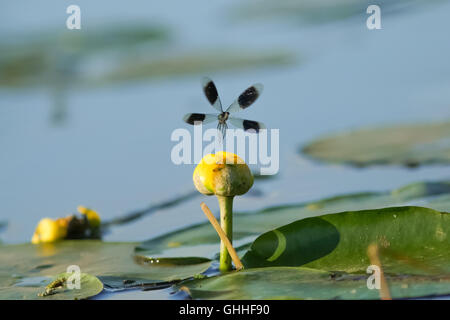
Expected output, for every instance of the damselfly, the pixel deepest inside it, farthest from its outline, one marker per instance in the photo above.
(245, 100)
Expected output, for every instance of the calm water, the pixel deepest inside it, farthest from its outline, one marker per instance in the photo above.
(113, 152)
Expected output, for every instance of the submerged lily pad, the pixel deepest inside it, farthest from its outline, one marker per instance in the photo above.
(409, 145)
(305, 283)
(202, 240)
(110, 261)
(412, 240)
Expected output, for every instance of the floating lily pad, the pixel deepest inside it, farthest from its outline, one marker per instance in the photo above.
(316, 11)
(62, 60)
(412, 240)
(326, 257)
(409, 145)
(3, 225)
(111, 261)
(37, 58)
(304, 283)
(191, 63)
(59, 288)
(440, 203)
(46, 288)
(202, 240)
(171, 269)
(113, 283)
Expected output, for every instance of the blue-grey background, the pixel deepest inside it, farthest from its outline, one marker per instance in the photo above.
(112, 149)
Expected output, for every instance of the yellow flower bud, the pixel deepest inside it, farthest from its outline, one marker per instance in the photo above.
(49, 230)
(92, 216)
(223, 174)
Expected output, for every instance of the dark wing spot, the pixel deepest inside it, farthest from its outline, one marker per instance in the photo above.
(211, 92)
(193, 117)
(249, 124)
(248, 97)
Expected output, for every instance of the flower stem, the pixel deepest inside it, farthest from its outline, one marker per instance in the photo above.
(226, 223)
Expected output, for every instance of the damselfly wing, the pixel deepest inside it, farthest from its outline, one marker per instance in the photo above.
(245, 100)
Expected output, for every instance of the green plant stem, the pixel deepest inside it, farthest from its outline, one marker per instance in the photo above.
(226, 223)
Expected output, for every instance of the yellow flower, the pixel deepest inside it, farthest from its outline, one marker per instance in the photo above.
(92, 216)
(49, 230)
(223, 174)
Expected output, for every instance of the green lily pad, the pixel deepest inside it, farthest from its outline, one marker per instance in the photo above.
(315, 11)
(408, 145)
(46, 288)
(304, 283)
(193, 63)
(58, 289)
(32, 63)
(171, 269)
(3, 225)
(119, 283)
(412, 240)
(113, 262)
(29, 60)
(202, 240)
